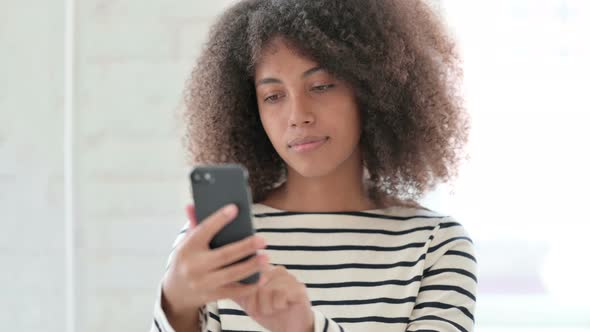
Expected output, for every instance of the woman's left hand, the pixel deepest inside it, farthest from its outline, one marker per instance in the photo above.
(281, 303)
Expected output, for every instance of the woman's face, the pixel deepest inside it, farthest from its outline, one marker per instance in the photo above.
(298, 100)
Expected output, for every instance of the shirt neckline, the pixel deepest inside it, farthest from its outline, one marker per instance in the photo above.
(272, 209)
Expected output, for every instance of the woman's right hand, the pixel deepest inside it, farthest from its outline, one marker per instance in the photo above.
(198, 274)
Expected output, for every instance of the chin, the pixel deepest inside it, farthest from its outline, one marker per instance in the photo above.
(313, 168)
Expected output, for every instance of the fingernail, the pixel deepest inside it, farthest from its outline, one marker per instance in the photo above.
(229, 210)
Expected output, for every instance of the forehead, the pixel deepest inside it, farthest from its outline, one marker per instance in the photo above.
(279, 57)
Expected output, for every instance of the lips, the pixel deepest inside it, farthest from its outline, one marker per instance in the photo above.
(306, 140)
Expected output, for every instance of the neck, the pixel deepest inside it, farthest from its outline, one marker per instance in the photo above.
(342, 189)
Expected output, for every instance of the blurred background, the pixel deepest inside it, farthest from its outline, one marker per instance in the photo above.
(93, 180)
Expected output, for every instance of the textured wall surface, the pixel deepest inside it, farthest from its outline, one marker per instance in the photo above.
(131, 62)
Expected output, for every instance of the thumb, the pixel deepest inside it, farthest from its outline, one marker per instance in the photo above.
(190, 213)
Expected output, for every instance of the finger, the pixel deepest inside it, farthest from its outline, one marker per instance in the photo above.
(241, 299)
(287, 288)
(266, 274)
(251, 304)
(274, 291)
(269, 268)
(213, 224)
(236, 272)
(181, 242)
(265, 294)
(190, 213)
(235, 292)
(235, 251)
(296, 294)
(279, 301)
(265, 300)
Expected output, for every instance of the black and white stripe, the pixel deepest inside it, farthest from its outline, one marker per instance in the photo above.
(398, 269)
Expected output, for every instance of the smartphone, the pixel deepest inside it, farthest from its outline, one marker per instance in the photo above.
(214, 186)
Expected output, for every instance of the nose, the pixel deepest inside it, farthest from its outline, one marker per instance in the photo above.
(301, 113)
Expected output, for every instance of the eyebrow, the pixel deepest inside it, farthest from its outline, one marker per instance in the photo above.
(270, 80)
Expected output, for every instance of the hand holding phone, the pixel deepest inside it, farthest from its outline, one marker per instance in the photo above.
(215, 186)
(198, 275)
(218, 257)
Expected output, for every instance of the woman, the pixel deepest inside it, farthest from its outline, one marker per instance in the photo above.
(344, 113)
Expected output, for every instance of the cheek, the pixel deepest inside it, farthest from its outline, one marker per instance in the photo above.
(272, 127)
(352, 130)
(349, 121)
(354, 118)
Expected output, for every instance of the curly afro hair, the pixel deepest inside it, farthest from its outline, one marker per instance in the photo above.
(401, 61)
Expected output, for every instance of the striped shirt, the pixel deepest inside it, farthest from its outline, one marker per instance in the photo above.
(393, 269)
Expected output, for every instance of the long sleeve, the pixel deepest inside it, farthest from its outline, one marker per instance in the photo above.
(446, 299)
(160, 321)
(398, 270)
(324, 324)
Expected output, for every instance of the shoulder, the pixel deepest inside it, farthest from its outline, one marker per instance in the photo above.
(445, 231)
(451, 241)
(446, 228)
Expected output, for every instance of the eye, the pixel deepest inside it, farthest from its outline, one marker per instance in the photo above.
(322, 88)
(271, 99)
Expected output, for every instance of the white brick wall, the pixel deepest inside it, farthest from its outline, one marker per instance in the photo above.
(31, 171)
(132, 60)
